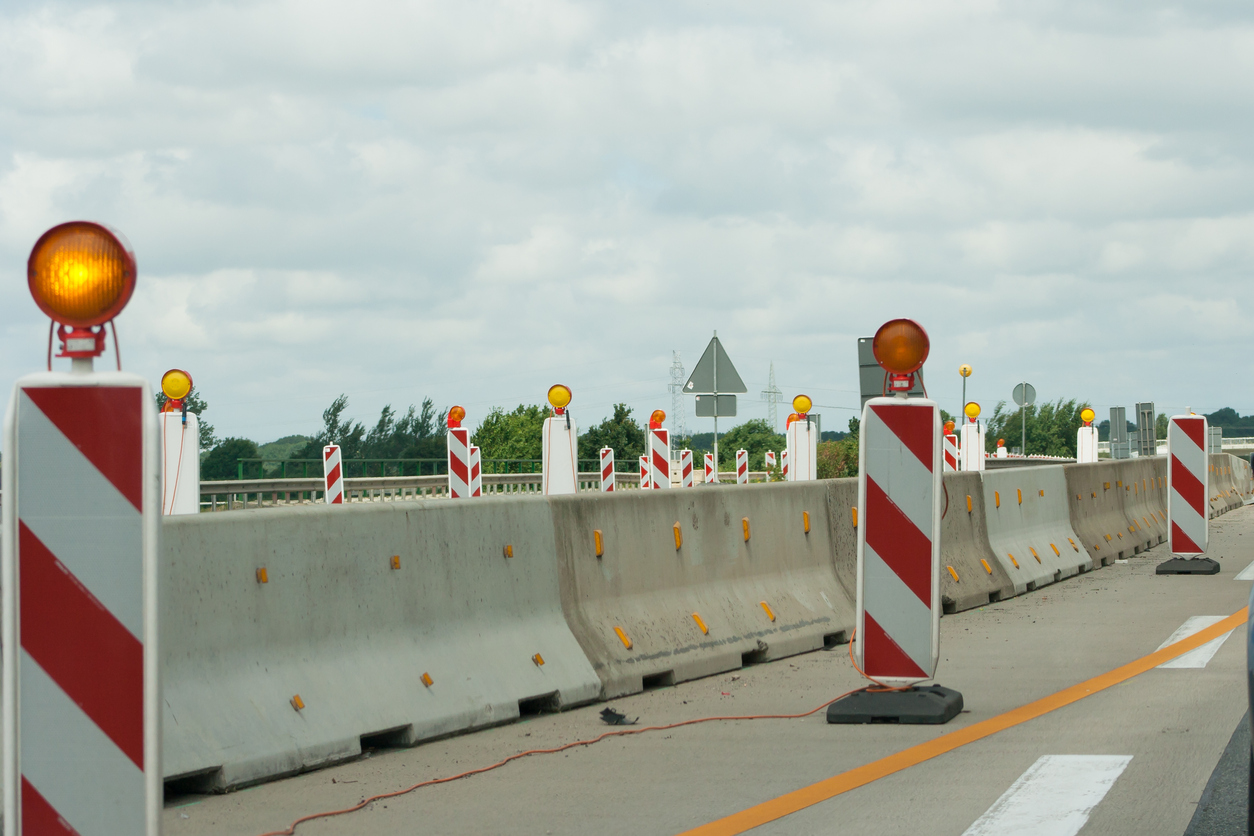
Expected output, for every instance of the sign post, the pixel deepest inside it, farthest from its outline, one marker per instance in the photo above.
(82, 520)
(715, 376)
(1188, 498)
(897, 627)
(1024, 395)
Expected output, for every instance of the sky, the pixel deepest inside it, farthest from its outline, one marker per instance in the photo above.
(473, 201)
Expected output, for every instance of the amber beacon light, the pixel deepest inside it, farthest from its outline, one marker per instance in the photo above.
(81, 274)
(900, 347)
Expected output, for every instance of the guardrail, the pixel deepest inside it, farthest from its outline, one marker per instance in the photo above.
(232, 494)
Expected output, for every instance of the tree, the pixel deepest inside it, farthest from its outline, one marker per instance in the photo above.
(839, 459)
(221, 462)
(1051, 427)
(619, 432)
(1160, 426)
(754, 436)
(512, 435)
(195, 404)
(414, 435)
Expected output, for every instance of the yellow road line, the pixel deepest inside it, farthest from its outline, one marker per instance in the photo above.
(805, 797)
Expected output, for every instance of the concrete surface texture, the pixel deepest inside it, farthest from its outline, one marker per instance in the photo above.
(1170, 725)
(981, 577)
(351, 633)
(1029, 526)
(690, 583)
(1098, 515)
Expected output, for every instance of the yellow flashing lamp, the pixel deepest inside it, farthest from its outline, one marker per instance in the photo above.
(656, 419)
(901, 346)
(455, 417)
(965, 370)
(1087, 415)
(802, 404)
(949, 427)
(559, 397)
(971, 410)
(81, 274)
(176, 385)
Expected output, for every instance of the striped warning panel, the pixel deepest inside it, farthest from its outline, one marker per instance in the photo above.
(685, 469)
(476, 472)
(711, 472)
(899, 540)
(79, 558)
(1188, 508)
(742, 467)
(458, 463)
(607, 469)
(333, 475)
(659, 459)
(951, 452)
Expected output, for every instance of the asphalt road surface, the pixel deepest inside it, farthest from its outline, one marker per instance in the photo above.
(1155, 753)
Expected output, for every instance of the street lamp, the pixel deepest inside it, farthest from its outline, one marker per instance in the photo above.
(965, 371)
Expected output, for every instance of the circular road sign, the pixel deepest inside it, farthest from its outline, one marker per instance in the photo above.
(1024, 394)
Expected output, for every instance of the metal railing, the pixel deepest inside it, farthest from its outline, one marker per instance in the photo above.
(309, 468)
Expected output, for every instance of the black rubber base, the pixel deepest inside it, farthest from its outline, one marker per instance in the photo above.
(927, 705)
(1188, 566)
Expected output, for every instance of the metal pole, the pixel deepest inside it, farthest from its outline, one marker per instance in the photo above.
(1023, 413)
(964, 395)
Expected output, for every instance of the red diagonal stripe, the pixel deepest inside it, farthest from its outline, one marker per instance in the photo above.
(1189, 487)
(882, 656)
(333, 476)
(106, 424)
(1194, 428)
(328, 452)
(913, 425)
(82, 646)
(906, 550)
(1182, 543)
(38, 816)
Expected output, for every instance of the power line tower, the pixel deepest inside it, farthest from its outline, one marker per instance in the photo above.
(772, 395)
(679, 425)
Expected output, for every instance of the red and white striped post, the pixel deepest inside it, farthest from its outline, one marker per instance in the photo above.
(332, 475)
(949, 447)
(644, 472)
(1188, 497)
(685, 469)
(769, 461)
(899, 522)
(711, 471)
(783, 457)
(607, 469)
(659, 452)
(81, 544)
(742, 467)
(476, 472)
(458, 463)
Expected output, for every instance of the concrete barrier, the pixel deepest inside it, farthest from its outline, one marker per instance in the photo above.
(1144, 482)
(977, 577)
(1225, 496)
(1095, 497)
(271, 674)
(1029, 526)
(661, 587)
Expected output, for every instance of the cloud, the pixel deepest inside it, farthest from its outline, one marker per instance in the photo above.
(473, 201)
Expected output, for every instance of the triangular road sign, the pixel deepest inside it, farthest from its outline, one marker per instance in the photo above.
(714, 373)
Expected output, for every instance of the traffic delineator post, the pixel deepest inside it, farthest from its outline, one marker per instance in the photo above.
(607, 469)
(742, 467)
(1188, 489)
(685, 469)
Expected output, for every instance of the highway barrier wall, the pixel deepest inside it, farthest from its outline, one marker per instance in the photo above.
(661, 587)
(291, 635)
(1029, 526)
(971, 574)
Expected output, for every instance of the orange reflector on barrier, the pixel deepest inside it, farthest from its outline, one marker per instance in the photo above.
(968, 503)
(1034, 554)
(396, 561)
(704, 630)
(1012, 560)
(997, 499)
(987, 568)
(297, 702)
(538, 659)
(1020, 492)
(509, 551)
(600, 543)
(427, 680)
(854, 511)
(744, 523)
(622, 637)
(952, 573)
(767, 608)
(805, 521)
(679, 537)
(262, 575)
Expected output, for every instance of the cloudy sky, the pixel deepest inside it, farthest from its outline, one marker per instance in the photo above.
(473, 200)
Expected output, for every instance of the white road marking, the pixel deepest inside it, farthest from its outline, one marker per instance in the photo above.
(1053, 798)
(1198, 657)
(1246, 574)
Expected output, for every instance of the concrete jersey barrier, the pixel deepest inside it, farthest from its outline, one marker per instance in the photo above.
(1029, 526)
(971, 575)
(271, 674)
(691, 583)
(1095, 498)
(1145, 500)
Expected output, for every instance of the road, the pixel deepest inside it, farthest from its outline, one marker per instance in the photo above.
(1134, 757)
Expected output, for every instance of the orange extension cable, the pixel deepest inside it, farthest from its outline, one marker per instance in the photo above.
(291, 829)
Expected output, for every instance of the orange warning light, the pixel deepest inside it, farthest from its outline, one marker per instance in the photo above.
(900, 346)
(1087, 415)
(81, 273)
(802, 404)
(949, 428)
(1001, 442)
(559, 397)
(656, 419)
(792, 416)
(455, 417)
(971, 410)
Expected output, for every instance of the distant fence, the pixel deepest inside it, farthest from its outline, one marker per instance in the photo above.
(262, 468)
